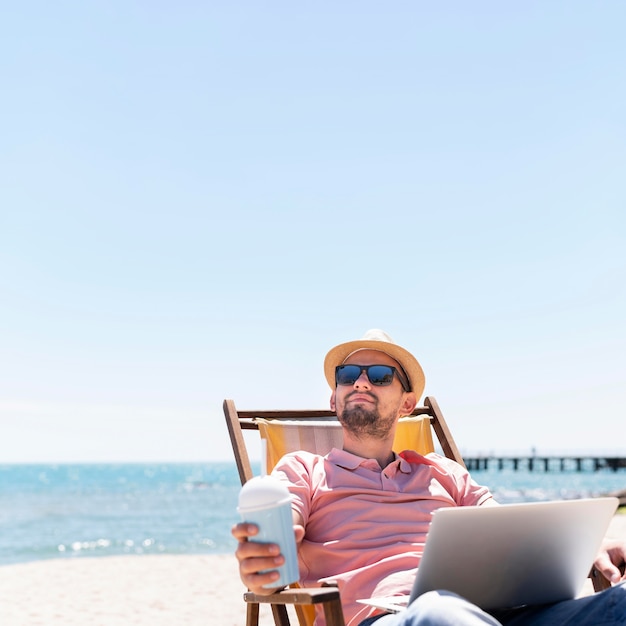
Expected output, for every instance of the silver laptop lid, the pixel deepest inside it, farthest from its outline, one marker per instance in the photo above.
(514, 554)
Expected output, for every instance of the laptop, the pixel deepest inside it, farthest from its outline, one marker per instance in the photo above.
(510, 555)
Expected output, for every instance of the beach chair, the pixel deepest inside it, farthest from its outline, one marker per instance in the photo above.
(319, 431)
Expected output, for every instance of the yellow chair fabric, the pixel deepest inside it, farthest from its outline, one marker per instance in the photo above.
(321, 436)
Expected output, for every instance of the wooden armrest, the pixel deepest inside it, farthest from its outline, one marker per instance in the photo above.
(599, 580)
(307, 595)
(327, 596)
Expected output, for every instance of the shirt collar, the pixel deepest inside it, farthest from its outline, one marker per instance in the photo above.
(350, 461)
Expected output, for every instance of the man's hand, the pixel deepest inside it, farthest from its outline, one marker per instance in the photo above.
(611, 560)
(255, 557)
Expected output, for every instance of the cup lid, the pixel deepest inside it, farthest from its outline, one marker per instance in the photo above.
(262, 491)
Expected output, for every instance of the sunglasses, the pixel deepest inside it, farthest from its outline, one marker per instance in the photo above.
(380, 375)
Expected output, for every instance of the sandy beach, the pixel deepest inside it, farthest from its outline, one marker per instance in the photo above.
(123, 591)
(140, 590)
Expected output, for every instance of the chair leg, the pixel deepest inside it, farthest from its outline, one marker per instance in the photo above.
(333, 612)
(252, 614)
(281, 617)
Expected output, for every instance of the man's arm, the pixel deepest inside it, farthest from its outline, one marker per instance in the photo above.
(255, 557)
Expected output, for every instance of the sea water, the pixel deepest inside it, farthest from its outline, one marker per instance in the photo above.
(51, 511)
(71, 511)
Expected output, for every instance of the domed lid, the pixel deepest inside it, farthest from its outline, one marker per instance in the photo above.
(262, 491)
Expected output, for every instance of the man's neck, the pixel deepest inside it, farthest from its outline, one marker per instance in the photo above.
(369, 448)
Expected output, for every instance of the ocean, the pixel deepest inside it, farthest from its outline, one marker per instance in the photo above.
(77, 510)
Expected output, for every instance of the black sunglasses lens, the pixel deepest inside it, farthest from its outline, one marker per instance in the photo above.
(380, 375)
(347, 374)
(377, 374)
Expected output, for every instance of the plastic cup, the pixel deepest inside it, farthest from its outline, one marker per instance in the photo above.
(265, 501)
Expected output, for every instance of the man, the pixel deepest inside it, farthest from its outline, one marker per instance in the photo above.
(361, 514)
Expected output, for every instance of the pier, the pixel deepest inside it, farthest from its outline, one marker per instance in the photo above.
(536, 463)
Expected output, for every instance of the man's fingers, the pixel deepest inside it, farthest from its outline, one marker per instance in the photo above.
(252, 549)
(261, 565)
(258, 562)
(242, 531)
(259, 573)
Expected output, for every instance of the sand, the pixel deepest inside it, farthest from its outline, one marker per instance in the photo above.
(142, 590)
(125, 590)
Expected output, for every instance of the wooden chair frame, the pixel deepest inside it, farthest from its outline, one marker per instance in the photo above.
(237, 421)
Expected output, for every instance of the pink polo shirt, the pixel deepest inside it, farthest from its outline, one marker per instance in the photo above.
(366, 527)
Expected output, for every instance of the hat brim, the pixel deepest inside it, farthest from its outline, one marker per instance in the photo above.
(337, 355)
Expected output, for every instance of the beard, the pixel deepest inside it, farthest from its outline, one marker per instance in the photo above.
(364, 421)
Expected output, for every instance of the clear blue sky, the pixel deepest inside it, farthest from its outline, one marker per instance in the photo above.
(199, 199)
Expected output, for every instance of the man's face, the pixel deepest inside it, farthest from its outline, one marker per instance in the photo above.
(366, 409)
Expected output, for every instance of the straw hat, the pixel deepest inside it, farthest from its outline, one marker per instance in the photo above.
(376, 339)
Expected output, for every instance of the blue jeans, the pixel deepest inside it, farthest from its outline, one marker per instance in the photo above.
(442, 608)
